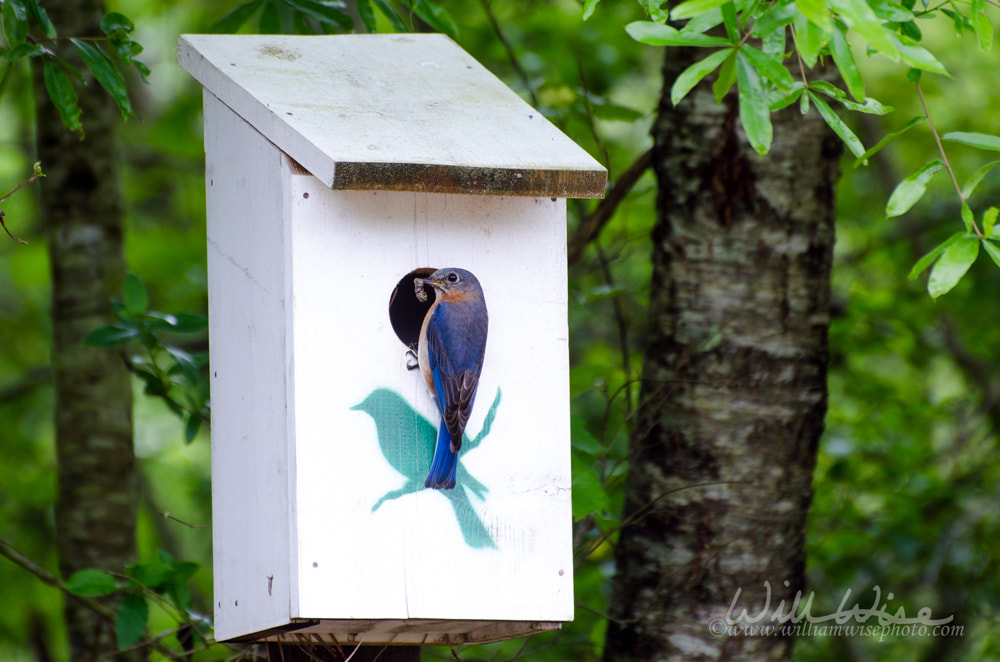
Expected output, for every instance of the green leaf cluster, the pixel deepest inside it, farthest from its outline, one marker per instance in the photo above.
(29, 33)
(168, 371)
(164, 581)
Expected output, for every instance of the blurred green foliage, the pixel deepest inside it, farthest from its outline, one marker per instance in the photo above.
(907, 482)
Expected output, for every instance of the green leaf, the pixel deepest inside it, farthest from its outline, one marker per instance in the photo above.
(691, 76)
(583, 441)
(981, 24)
(967, 218)
(837, 124)
(989, 221)
(41, 17)
(960, 21)
(115, 22)
(809, 39)
(888, 10)
(131, 619)
(191, 427)
(367, 14)
(234, 20)
(909, 191)
(730, 22)
(190, 323)
(779, 100)
(91, 583)
(24, 50)
(726, 78)
(394, 20)
(863, 159)
(848, 68)
(134, 294)
(588, 8)
(436, 16)
(755, 115)
(955, 260)
(980, 140)
(15, 22)
(916, 55)
(817, 12)
(770, 67)
(185, 363)
(775, 18)
(977, 176)
(692, 8)
(926, 260)
(325, 13)
(63, 95)
(106, 74)
(151, 574)
(859, 17)
(109, 336)
(992, 251)
(589, 496)
(658, 34)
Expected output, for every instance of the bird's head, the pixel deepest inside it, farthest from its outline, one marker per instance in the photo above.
(455, 280)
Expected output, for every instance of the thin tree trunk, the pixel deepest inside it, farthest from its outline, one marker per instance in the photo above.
(734, 383)
(82, 211)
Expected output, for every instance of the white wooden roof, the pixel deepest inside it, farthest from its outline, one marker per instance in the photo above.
(407, 112)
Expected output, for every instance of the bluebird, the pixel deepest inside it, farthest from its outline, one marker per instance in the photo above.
(450, 354)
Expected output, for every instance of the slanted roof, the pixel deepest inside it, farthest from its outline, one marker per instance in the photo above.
(410, 112)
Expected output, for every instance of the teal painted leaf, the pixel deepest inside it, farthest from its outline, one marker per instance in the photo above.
(91, 583)
(954, 262)
(691, 76)
(926, 260)
(131, 619)
(909, 191)
(755, 115)
(980, 140)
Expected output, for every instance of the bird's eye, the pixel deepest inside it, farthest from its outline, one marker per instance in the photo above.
(453, 277)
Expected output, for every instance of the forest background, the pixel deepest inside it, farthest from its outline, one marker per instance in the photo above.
(906, 486)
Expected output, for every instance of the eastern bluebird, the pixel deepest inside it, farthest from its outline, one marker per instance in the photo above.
(450, 353)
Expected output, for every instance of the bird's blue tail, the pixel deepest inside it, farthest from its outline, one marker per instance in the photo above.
(442, 473)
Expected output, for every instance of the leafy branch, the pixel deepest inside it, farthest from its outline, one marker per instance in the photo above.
(748, 48)
(104, 56)
(168, 371)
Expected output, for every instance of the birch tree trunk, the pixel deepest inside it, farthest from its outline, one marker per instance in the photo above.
(733, 392)
(82, 212)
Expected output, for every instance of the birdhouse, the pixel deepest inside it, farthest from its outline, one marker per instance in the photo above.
(342, 173)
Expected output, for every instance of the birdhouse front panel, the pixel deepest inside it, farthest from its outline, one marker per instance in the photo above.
(372, 541)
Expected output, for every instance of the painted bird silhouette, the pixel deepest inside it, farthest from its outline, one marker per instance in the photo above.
(450, 354)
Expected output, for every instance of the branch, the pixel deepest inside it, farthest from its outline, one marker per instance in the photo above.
(510, 50)
(37, 173)
(105, 612)
(593, 224)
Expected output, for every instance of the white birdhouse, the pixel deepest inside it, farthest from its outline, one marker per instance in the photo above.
(339, 170)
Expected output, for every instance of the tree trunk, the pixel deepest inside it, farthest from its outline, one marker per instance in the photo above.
(82, 212)
(733, 392)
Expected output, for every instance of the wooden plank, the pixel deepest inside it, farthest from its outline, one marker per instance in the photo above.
(407, 632)
(248, 338)
(391, 112)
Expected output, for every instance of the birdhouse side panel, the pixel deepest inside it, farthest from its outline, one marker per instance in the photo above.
(373, 541)
(247, 257)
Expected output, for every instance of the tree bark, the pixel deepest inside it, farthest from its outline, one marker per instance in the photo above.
(733, 391)
(82, 211)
